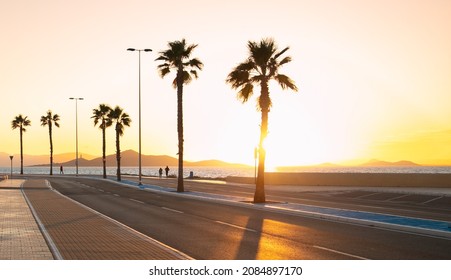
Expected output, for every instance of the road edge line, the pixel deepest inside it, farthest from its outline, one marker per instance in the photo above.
(52, 246)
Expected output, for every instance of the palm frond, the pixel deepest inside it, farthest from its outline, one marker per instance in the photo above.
(285, 82)
(187, 77)
(177, 57)
(164, 71)
(285, 60)
(246, 92)
(194, 73)
(238, 78)
(20, 122)
(276, 56)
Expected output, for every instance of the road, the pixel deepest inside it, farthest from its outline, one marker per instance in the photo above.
(210, 230)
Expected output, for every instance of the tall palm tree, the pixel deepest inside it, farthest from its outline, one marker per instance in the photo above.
(21, 122)
(122, 120)
(259, 68)
(100, 115)
(49, 120)
(177, 58)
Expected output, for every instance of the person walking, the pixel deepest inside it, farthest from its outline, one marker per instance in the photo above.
(61, 170)
(160, 172)
(167, 171)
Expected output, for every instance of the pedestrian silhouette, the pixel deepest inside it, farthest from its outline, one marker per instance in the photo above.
(160, 172)
(167, 171)
(61, 170)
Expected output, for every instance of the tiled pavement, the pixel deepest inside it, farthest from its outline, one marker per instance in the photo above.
(20, 237)
(73, 231)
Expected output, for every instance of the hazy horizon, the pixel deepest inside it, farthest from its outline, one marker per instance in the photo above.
(37, 160)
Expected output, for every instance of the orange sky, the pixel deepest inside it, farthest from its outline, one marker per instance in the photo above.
(373, 77)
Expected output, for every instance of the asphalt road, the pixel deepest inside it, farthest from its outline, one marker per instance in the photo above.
(211, 230)
(435, 207)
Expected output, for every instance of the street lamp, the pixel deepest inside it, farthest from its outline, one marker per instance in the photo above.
(76, 131)
(139, 108)
(11, 158)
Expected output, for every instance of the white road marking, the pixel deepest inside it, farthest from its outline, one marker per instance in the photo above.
(115, 194)
(430, 200)
(172, 210)
(341, 253)
(235, 226)
(397, 197)
(366, 195)
(136, 200)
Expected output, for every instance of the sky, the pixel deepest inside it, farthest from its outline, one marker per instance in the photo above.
(374, 77)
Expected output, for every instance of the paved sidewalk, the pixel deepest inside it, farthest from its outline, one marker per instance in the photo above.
(80, 233)
(20, 237)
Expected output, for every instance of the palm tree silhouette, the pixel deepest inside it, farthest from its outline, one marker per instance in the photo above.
(259, 68)
(101, 115)
(177, 58)
(49, 120)
(122, 120)
(20, 122)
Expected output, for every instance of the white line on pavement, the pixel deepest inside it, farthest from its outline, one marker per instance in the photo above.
(235, 226)
(341, 253)
(136, 200)
(172, 210)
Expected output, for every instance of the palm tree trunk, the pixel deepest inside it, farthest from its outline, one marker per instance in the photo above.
(51, 148)
(259, 196)
(180, 185)
(21, 151)
(104, 151)
(118, 155)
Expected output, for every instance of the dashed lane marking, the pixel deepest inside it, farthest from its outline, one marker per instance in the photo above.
(138, 201)
(339, 252)
(172, 210)
(235, 226)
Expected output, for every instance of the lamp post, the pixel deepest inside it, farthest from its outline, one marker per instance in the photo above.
(139, 109)
(76, 131)
(11, 158)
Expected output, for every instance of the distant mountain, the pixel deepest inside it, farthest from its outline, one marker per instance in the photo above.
(130, 158)
(381, 163)
(31, 160)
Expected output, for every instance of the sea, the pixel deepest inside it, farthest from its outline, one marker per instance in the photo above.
(223, 172)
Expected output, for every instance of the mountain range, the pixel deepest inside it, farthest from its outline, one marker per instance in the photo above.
(128, 158)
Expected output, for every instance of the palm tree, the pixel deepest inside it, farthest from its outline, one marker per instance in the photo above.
(177, 58)
(259, 68)
(100, 115)
(122, 120)
(21, 122)
(49, 119)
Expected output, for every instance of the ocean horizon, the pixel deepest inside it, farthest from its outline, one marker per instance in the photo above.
(223, 172)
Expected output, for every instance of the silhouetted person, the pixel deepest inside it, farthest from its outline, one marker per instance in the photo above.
(167, 171)
(61, 170)
(160, 171)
